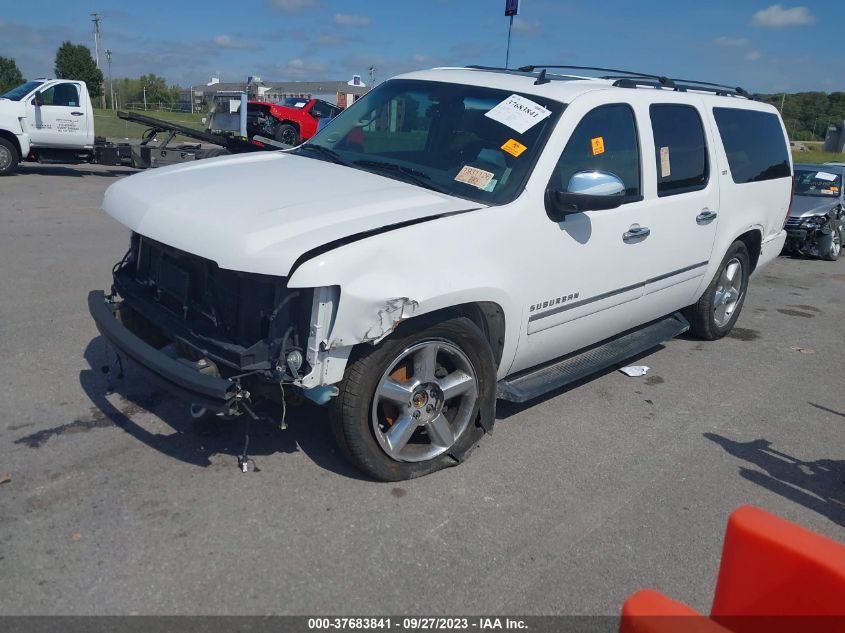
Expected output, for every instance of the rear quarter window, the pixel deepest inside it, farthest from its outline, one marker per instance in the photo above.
(754, 144)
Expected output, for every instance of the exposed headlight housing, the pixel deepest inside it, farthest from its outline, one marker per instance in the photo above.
(816, 220)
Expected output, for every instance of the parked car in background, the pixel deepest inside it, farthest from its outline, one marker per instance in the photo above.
(816, 223)
(458, 236)
(290, 122)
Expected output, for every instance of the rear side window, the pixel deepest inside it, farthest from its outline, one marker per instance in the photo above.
(606, 140)
(754, 144)
(680, 150)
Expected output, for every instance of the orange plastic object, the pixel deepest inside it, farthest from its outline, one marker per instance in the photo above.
(774, 577)
(773, 567)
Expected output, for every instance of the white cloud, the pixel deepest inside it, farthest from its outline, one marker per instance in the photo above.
(296, 68)
(227, 41)
(777, 17)
(522, 25)
(731, 41)
(351, 20)
(753, 56)
(293, 6)
(421, 59)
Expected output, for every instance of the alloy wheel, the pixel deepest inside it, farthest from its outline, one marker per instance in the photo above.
(424, 401)
(728, 292)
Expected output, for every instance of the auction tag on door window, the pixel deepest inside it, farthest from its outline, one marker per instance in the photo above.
(518, 113)
(823, 175)
(665, 166)
(513, 147)
(474, 176)
(598, 145)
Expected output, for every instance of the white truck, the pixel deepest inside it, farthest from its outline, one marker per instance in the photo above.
(52, 121)
(456, 236)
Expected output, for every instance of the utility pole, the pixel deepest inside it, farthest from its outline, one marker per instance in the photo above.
(111, 85)
(511, 9)
(95, 18)
(372, 70)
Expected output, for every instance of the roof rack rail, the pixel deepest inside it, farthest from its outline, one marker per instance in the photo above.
(630, 79)
(662, 80)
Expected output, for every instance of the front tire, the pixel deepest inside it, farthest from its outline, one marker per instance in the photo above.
(835, 246)
(287, 134)
(715, 313)
(410, 406)
(8, 157)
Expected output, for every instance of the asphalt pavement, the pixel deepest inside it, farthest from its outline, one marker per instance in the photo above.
(119, 504)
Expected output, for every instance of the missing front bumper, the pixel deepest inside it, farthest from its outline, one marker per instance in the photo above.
(212, 392)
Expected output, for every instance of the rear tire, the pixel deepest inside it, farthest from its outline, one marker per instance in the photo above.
(394, 426)
(287, 134)
(715, 313)
(8, 157)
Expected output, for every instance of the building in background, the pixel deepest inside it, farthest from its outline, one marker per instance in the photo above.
(342, 93)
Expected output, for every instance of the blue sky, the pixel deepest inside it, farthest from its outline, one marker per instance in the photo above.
(762, 46)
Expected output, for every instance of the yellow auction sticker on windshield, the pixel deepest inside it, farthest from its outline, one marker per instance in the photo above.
(598, 145)
(474, 176)
(513, 147)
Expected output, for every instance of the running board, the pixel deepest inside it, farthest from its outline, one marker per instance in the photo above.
(535, 382)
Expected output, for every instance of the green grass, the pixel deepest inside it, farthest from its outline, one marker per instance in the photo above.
(815, 156)
(107, 124)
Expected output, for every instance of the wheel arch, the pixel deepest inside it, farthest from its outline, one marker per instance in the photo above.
(489, 316)
(6, 134)
(753, 240)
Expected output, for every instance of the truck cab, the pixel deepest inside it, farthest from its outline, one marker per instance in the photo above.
(44, 114)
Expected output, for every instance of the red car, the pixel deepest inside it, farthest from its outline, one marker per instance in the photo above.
(294, 120)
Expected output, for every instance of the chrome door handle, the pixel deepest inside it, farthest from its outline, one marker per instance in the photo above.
(77, 113)
(636, 233)
(706, 216)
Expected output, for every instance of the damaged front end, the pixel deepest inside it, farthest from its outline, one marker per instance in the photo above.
(216, 338)
(810, 235)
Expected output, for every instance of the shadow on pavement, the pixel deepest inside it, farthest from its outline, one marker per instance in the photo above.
(77, 171)
(818, 485)
(195, 442)
(505, 409)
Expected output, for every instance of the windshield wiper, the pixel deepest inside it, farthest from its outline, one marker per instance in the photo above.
(414, 175)
(325, 151)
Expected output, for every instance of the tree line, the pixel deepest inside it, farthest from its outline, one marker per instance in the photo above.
(74, 61)
(808, 114)
(805, 114)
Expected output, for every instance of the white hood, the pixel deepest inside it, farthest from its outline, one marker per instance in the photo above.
(259, 212)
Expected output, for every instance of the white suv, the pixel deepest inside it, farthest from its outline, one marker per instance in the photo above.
(456, 236)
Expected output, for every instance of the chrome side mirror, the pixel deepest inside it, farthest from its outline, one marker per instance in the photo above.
(596, 183)
(586, 191)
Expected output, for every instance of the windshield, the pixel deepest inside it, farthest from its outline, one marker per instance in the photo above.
(16, 94)
(295, 102)
(822, 184)
(467, 141)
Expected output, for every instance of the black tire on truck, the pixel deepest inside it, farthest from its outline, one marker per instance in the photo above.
(287, 134)
(8, 157)
(715, 313)
(410, 405)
